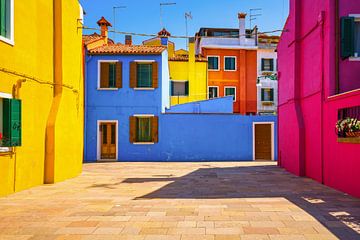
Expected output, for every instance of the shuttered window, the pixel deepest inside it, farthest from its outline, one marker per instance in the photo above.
(144, 75)
(110, 75)
(179, 88)
(10, 135)
(4, 18)
(143, 129)
(267, 64)
(267, 94)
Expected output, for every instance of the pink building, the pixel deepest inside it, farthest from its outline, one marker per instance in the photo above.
(319, 84)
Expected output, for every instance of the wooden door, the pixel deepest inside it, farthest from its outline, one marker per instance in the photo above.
(263, 143)
(108, 140)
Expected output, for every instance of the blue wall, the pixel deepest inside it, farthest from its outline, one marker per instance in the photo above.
(216, 105)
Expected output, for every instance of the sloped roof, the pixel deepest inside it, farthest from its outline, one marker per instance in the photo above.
(103, 21)
(185, 58)
(114, 49)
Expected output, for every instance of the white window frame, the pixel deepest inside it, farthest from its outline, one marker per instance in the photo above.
(227, 87)
(357, 19)
(144, 116)
(99, 75)
(273, 94)
(272, 139)
(10, 40)
(219, 62)
(217, 87)
(99, 159)
(5, 149)
(228, 70)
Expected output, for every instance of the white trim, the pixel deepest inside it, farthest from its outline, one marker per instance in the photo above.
(178, 80)
(99, 73)
(271, 88)
(143, 89)
(10, 40)
(214, 70)
(355, 16)
(144, 61)
(225, 87)
(231, 47)
(144, 143)
(98, 147)
(108, 89)
(235, 64)
(272, 139)
(144, 115)
(354, 59)
(217, 91)
(5, 95)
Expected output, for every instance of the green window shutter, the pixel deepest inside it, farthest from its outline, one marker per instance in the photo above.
(12, 122)
(3, 17)
(262, 64)
(112, 75)
(347, 37)
(186, 88)
(271, 95)
(262, 94)
(172, 88)
(271, 64)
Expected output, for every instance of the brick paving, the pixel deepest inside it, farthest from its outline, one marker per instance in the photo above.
(181, 201)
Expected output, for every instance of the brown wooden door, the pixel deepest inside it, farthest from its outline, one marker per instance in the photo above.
(263, 143)
(108, 140)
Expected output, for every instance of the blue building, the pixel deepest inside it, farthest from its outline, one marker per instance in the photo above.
(128, 115)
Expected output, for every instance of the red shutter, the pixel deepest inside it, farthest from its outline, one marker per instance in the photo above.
(119, 74)
(155, 129)
(133, 73)
(132, 127)
(104, 75)
(155, 75)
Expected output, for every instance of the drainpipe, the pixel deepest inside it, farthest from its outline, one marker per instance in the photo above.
(49, 170)
(337, 46)
(297, 87)
(321, 22)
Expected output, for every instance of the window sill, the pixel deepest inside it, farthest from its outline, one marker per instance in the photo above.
(349, 140)
(213, 70)
(144, 89)
(354, 59)
(108, 89)
(181, 96)
(228, 70)
(143, 143)
(7, 41)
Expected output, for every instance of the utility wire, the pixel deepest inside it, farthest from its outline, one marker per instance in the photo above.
(156, 35)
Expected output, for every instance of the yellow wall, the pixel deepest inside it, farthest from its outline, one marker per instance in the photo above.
(193, 71)
(157, 42)
(32, 55)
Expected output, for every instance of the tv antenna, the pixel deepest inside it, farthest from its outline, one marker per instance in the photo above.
(161, 13)
(188, 16)
(254, 13)
(114, 17)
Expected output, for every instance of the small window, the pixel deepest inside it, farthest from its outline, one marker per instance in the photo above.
(144, 76)
(110, 75)
(179, 88)
(267, 94)
(213, 63)
(143, 129)
(6, 13)
(213, 92)
(10, 123)
(230, 63)
(267, 64)
(231, 91)
(350, 37)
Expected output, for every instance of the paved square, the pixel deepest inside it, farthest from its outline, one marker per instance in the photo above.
(181, 201)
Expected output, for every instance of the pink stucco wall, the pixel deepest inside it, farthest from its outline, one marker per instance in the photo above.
(308, 110)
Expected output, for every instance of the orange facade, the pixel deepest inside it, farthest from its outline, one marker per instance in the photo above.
(243, 78)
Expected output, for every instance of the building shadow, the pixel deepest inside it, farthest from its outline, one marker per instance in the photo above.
(338, 212)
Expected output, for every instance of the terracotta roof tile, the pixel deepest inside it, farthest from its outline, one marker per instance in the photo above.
(185, 58)
(91, 38)
(127, 49)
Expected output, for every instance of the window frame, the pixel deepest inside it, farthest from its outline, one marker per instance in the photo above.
(98, 123)
(144, 62)
(217, 91)
(99, 76)
(180, 81)
(10, 40)
(144, 116)
(5, 150)
(267, 101)
(230, 70)
(263, 65)
(356, 19)
(218, 58)
(229, 87)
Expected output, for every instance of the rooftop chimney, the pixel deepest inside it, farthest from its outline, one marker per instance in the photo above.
(242, 29)
(104, 24)
(164, 36)
(128, 40)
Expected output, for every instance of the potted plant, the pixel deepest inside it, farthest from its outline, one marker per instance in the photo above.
(349, 127)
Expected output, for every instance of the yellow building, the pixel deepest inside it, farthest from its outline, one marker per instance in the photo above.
(188, 72)
(41, 93)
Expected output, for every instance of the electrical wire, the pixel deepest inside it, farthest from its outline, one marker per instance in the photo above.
(186, 37)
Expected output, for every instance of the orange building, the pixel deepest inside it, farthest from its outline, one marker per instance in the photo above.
(232, 64)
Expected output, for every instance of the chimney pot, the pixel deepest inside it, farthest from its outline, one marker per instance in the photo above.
(242, 15)
(128, 40)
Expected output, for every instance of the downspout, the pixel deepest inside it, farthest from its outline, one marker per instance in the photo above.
(297, 86)
(322, 19)
(337, 47)
(49, 170)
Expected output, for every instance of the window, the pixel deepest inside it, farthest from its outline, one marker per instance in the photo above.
(231, 91)
(267, 64)
(179, 88)
(230, 63)
(144, 75)
(144, 129)
(213, 92)
(267, 94)
(110, 75)
(350, 37)
(213, 63)
(10, 123)
(6, 20)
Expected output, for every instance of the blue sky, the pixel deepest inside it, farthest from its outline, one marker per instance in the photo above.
(143, 16)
